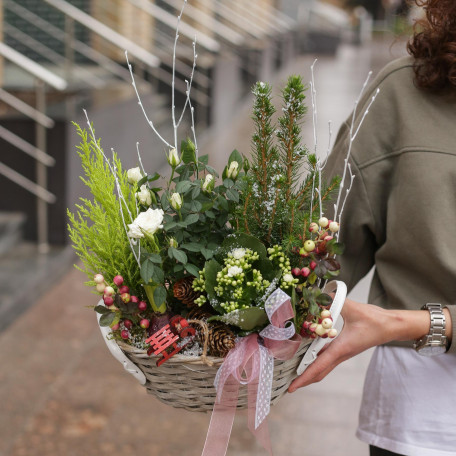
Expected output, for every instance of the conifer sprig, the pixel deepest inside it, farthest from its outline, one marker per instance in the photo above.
(96, 227)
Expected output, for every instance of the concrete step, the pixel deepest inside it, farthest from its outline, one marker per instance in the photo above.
(11, 230)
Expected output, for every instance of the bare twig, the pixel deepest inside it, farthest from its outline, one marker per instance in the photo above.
(151, 124)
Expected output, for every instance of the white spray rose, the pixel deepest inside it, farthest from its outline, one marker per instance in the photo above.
(234, 271)
(173, 157)
(148, 222)
(176, 201)
(144, 196)
(134, 175)
(208, 183)
(233, 170)
(288, 278)
(238, 253)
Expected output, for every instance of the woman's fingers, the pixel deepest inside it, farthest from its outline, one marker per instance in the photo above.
(317, 371)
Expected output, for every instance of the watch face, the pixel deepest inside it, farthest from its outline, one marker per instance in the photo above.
(431, 350)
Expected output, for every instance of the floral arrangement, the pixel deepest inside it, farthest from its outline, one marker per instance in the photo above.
(204, 245)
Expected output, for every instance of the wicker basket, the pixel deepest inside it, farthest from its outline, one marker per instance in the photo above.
(187, 382)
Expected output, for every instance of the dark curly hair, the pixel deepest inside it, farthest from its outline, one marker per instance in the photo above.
(434, 46)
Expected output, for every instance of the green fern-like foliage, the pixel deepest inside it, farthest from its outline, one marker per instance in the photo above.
(96, 228)
(280, 197)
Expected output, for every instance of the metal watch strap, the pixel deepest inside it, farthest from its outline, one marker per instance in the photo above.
(436, 336)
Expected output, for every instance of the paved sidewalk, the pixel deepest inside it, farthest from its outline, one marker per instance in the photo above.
(62, 394)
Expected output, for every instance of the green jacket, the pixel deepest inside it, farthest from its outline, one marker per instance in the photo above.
(401, 213)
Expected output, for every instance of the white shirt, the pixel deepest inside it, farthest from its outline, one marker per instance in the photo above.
(409, 403)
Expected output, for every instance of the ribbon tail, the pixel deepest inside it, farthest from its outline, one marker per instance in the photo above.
(261, 432)
(222, 419)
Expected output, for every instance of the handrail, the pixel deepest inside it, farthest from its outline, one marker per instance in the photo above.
(26, 147)
(50, 54)
(237, 19)
(168, 19)
(85, 50)
(26, 109)
(22, 181)
(102, 60)
(217, 27)
(32, 67)
(105, 32)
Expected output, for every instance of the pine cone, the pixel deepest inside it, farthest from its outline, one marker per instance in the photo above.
(183, 291)
(221, 339)
(199, 313)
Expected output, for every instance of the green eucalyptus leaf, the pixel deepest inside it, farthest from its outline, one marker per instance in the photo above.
(245, 319)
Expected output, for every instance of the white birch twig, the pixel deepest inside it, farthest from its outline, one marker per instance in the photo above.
(351, 139)
(151, 124)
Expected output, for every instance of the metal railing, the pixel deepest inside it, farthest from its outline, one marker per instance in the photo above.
(43, 78)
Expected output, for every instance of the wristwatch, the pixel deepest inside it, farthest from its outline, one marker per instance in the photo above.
(434, 343)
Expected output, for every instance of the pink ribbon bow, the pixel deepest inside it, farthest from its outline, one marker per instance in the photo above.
(251, 363)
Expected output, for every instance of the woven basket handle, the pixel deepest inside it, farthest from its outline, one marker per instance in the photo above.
(338, 322)
(115, 350)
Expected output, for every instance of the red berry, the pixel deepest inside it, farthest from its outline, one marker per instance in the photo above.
(305, 272)
(125, 297)
(296, 271)
(128, 324)
(124, 334)
(124, 289)
(142, 306)
(144, 323)
(134, 298)
(118, 280)
(115, 327)
(313, 265)
(108, 301)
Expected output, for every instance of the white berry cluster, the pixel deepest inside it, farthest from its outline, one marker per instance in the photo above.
(322, 326)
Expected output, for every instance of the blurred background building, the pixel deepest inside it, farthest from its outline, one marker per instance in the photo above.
(60, 56)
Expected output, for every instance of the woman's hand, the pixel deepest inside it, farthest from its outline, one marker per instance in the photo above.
(365, 326)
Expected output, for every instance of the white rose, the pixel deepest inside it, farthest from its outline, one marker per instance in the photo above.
(234, 271)
(148, 222)
(238, 254)
(176, 201)
(134, 175)
(233, 170)
(144, 196)
(208, 183)
(173, 158)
